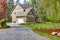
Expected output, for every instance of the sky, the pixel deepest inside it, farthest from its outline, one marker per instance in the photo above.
(21, 1)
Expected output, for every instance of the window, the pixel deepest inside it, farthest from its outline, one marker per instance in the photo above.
(14, 13)
(24, 10)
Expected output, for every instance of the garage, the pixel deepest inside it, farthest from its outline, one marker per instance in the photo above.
(20, 20)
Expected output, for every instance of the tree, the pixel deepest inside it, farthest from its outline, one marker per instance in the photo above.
(17, 1)
(49, 10)
(42, 10)
(26, 2)
(10, 7)
(32, 2)
(3, 8)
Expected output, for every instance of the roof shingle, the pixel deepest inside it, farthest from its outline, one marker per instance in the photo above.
(24, 13)
(24, 6)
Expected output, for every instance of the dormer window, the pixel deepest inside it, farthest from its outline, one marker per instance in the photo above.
(24, 10)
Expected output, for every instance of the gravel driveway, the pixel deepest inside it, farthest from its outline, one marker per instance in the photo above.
(19, 33)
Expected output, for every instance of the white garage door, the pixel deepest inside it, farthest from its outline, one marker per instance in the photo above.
(20, 20)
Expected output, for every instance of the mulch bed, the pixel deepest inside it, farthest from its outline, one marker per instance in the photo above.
(49, 31)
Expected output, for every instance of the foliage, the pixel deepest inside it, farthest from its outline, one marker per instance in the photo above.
(32, 2)
(10, 6)
(3, 24)
(49, 10)
(3, 8)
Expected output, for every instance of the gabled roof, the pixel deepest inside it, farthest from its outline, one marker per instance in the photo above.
(26, 10)
(24, 13)
(22, 5)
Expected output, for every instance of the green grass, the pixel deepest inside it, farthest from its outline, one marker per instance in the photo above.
(44, 26)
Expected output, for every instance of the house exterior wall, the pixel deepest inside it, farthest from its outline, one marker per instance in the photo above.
(16, 10)
(13, 17)
(30, 17)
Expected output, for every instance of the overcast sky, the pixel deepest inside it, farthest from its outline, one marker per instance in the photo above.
(21, 1)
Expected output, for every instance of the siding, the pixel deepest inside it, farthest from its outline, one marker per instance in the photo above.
(17, 9)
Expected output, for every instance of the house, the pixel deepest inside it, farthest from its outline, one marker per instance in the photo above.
(23, 14)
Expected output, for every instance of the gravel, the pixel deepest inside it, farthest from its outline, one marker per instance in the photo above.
(20, 33)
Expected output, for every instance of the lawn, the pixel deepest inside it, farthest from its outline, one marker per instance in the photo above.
(44, 26)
